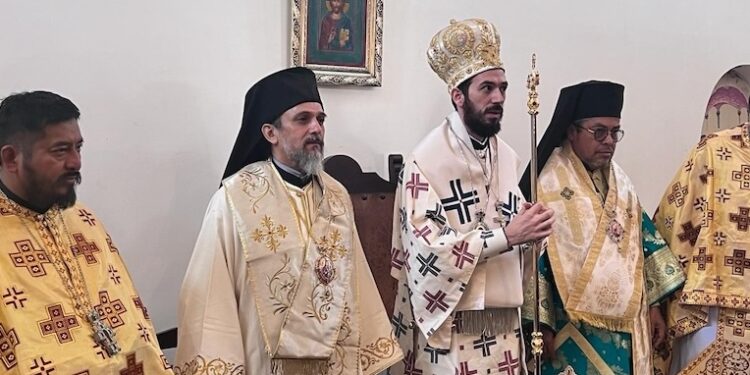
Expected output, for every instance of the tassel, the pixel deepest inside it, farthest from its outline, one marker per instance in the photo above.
(489, 322)
(603, 322)
(293, 366)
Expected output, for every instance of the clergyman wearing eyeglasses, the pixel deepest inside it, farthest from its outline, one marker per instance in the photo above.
(606, 269)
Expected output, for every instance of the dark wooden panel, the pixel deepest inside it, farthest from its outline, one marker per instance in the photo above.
(372, 198)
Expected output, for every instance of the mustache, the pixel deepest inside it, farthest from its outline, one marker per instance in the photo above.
(495, 108)
(76, 175)
(315, 140)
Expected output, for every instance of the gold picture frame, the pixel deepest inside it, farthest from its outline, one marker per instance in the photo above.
(340, 40)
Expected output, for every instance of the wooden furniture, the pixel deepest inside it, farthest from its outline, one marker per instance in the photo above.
(372, 198)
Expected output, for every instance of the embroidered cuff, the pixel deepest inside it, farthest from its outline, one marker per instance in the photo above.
(494, 243)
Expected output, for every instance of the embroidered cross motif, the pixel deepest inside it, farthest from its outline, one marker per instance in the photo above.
(486, 234)
(708, 216)
(410, 364)
(87, 249)
(689, 165)
(567, 193)
(436, 215)
(677, 196)
(133, 367)
(463, 369)
(436, 301)
(722, 195)
(509, 209)
(742, 177)
(110, 311)
(485, 343)
(145, 335)
(742, 218)
(720, 238)
(100, 351)
(689, 233)
(460, 201)
(423, 233)
(402, 219)
(407, 254)
(461, 251)
(446, 231)
(724, 153)
(14, 297)
(87, 217)
(399, 327)
(113, 274)
(737, 262)
(509, 364)
(42, 366)
(683, 261)
(331, 245)
(30, 258)
(702, 259)
(700, 204)
(427, 265)
(717, 282)
(139, 305)
(739, 323)
(668, 222)
(269, 233)
(396, 262)
(8, 342)
(59, 324)
(415, 186)
(435, 353)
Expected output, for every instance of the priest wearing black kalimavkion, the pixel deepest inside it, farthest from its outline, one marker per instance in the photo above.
(605, 269)
(460, 221)
(278, 282)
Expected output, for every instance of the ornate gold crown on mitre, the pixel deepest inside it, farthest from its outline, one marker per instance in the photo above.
(463, 50)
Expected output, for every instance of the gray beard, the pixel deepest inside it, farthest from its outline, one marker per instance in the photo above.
(309, 164)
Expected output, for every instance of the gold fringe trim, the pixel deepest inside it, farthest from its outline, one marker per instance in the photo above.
(489, 322)
(293, 366)
(603, 322)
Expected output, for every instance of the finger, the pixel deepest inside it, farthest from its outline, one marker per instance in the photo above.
(535, 208)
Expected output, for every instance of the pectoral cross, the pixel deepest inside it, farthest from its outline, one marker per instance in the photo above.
(480, 225)
(103, 335)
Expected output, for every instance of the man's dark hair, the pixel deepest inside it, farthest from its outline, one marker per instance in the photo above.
(24, 116)
(464, 88)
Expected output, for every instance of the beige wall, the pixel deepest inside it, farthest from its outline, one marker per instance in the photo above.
(161, 85)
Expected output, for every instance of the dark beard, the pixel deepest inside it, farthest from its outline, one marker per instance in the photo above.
(46, 199)
(475, 123)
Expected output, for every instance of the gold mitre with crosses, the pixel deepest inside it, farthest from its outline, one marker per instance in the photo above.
(463, 50)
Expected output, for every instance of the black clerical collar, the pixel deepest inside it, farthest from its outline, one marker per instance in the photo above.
(480, 145)
(287, 174)
(20, 201)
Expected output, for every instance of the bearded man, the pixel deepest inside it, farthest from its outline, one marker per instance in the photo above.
(278, 282)
(460, 222)
(70, 306)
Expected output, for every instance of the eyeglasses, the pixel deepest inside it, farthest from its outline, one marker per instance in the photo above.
(600, 134)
